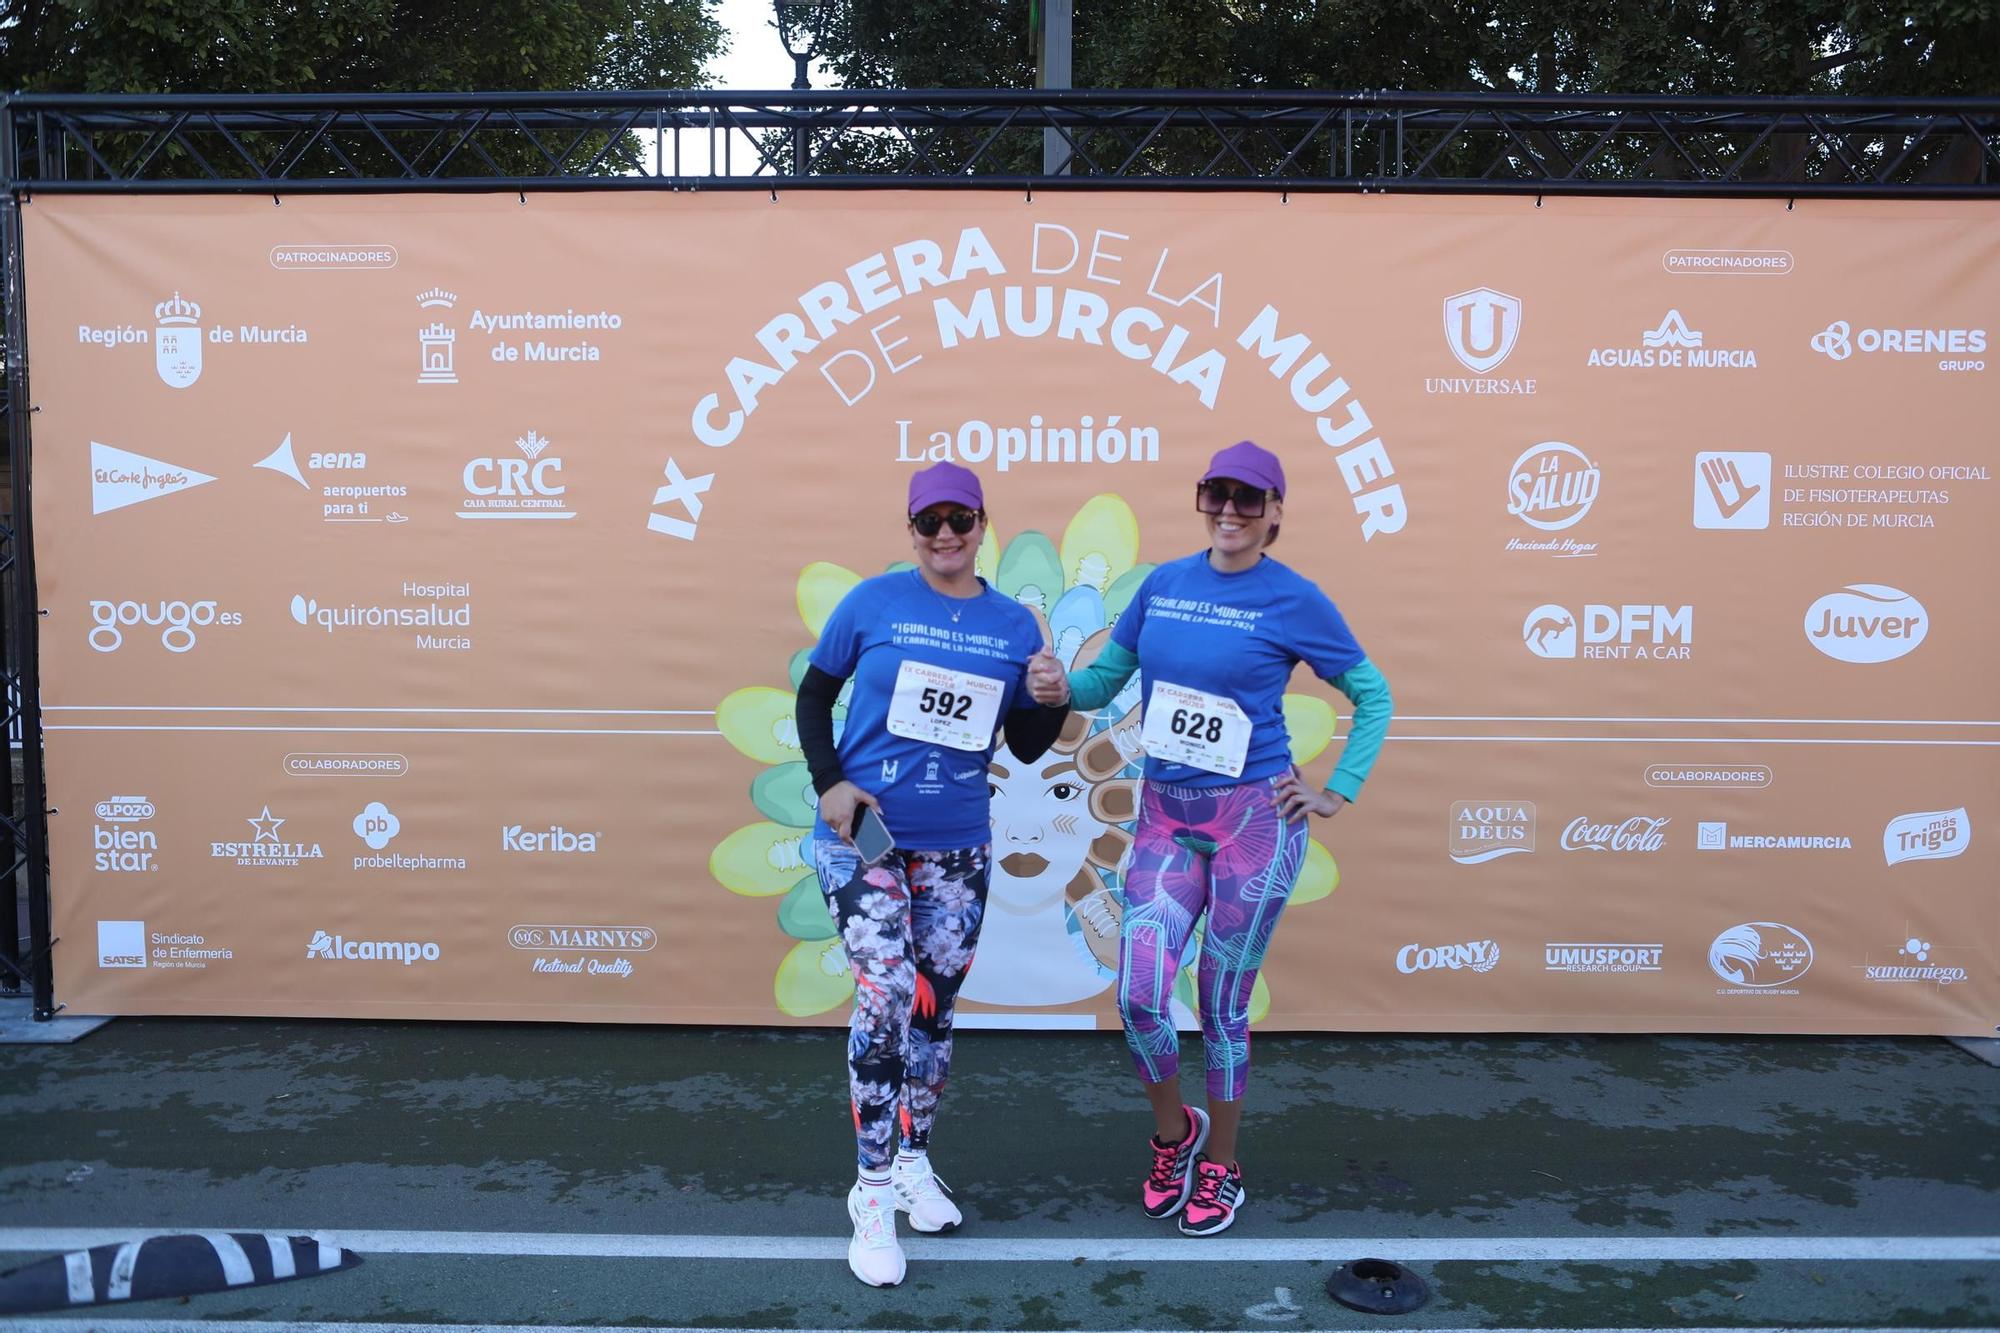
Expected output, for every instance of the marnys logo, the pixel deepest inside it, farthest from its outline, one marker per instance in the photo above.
(1760, 955)
(119, 477)
(266, 848)
(1601, 957)
(1476, 956)
(1915, 965)
(177, 622)
(338, 948)
(516, 838)
(1640, 833)
(1839, 341)
(1867, 622)
(1551, 487)
(1927, 835)
(1483, 831)
(1610, 632)
(124, 850)
(1481, 327)
(121, 944)
(1670, 346)
(584, 941)
(432, 610)
(525, 487)
(1714, 836)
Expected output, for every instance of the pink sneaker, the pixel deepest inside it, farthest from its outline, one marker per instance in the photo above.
(1172, 1177)
(1218, 1193)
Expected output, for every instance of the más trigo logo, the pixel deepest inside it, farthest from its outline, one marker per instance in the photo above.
(176, 620)
(1481, 327)
(1914, 962)
(121, 944)
(1673, 345)
(119, 477)
(1602, 957)
(1628, 632)
(530, 486)
(1474, 956)
(1640, 833)
(119, 849)
(1552, 487)
(1927, 835)
(555, 838)
(1867, 622)
(265, 847)
(1714, 836)
(1486, 830)
(432, 606)
(1840, 340)
(1760, 955)
(338, 948)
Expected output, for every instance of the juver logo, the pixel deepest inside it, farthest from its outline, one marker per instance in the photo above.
(1760, 954)
(1927, 835)
(1867, 622)
(1482, 326)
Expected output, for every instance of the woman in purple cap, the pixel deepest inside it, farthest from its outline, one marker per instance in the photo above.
(1221, 828)
(938, 662)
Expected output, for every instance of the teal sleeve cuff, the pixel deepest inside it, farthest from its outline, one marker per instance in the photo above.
(1373, 707)
(1098, 684)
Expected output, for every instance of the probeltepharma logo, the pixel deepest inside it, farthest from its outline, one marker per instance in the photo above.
(1481, 327)
(1629, 632)
(265, 847)
(121, 944)
(1473, 956)
(1915, 962)
(589, 946)
(177, 621)
(1551, 487)
(1640, 833)
(529, 486)
(119, 849)
(340, 949)
(377, 826)
(1602, 957)
(1486, 830)
(554, 839)
(1927, 835)
(1867, 622)
(1672, 345)
(1760, 957)
(1956, 349)
(429, 607)
(1714, 836)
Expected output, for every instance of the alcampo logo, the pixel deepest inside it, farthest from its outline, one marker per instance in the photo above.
(1760, 954)
(1552, 486)
(338, 948)
(177, 622)
(1475, 956)
(1867, 622)
(1927, 835)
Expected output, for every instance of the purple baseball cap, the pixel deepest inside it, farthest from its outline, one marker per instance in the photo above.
(1245, 461)
(945, 483)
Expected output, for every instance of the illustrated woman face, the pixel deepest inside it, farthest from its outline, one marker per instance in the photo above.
(1042, 829)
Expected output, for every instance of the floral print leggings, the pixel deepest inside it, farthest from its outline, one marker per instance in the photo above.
(909, 925)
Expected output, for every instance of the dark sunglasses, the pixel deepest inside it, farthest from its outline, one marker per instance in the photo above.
(962, 521)
(1210, 496)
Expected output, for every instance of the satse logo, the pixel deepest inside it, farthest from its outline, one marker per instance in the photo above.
(1867, 622)
(121, 944)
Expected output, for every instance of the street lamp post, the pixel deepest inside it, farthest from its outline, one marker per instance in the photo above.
(801, 25)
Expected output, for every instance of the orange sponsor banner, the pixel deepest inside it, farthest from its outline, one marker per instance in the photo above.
(427, 579)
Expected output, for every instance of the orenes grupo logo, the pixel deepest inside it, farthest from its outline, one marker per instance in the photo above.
(1760, 954)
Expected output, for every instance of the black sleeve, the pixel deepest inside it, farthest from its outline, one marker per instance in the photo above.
(1032, 730)
(814, 714)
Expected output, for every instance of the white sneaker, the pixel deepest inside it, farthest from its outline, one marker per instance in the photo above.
(874, 1255)
(922, 1195)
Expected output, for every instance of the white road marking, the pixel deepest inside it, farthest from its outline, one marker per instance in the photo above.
(1098, 1249)
(71, 1325)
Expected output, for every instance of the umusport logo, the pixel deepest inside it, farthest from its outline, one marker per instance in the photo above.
(1602, 957)
(338, 948)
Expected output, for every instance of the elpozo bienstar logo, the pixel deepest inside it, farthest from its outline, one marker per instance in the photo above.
(1957, 349)
(430, 607)
(1867, 622)
(1481, 327)
(119, 850)
(1760, 957)
(1486, 830)
(1627, 632)
(1672, 345)
(1551, 487)
(1927, 835)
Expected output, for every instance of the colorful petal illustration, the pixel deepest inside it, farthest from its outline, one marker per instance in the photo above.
(759, 722)
(1319, 876)
(803, 914)
(821, 586)
(1310, 721)
(1030, 572)
(813, 978)
(785, 794)
(759, 860)
(1100, 543)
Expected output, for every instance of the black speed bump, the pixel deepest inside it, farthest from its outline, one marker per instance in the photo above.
(142, 1270)
(1376, 1286)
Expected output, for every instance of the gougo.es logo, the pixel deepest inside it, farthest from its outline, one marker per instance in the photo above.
(177, 622)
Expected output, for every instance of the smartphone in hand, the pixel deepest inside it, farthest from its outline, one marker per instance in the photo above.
(871, 836)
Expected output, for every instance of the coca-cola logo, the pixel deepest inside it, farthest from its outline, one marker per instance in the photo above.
(1640, 833)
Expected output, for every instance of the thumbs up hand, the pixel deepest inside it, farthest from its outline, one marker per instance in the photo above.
(1048, 683)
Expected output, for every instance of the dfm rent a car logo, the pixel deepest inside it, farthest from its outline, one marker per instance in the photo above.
(1839, 341)
(1760, 954)
(1474, 956)
(177, 622)
(1927, 835)
(1867, 622)
(1628, 632)
(1552, 486)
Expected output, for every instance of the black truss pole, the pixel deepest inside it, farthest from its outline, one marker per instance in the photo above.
(29, 826)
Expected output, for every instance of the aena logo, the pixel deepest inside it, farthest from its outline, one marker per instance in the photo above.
(1552, 486)
(1867, 622)
(1760, 953)
(176, 621)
